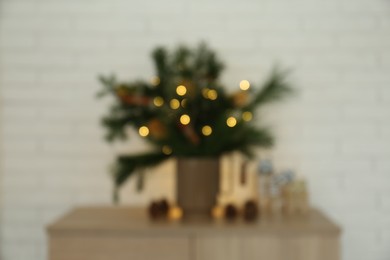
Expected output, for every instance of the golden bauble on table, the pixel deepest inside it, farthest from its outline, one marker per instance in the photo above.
(175, 213)
(218, 212)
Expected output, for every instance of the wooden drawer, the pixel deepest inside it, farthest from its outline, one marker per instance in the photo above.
(306, 247)
(82, 247)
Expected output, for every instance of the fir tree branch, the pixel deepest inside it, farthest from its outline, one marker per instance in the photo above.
(126, 166)
(274, 89)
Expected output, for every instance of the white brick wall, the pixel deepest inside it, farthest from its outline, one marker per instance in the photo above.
(336, 132)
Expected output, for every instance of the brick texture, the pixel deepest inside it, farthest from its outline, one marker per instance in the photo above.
(335, 132)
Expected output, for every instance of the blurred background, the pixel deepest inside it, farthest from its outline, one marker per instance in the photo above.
(335, 132)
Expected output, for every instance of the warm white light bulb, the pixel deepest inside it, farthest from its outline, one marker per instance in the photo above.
(183, 102)
(143, 131)
(212, 94)
(174, 103)
(247, 116)
(158, 101)
(231, 121)
(185, 119)
(155, 81)
(181, 90)
(205, 92)
(207, 130)
(244, 85)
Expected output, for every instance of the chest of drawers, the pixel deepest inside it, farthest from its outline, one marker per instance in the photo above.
(119, 233)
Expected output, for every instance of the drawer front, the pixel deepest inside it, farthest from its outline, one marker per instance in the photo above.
(232, 248)
(82, 247)
(266, 247)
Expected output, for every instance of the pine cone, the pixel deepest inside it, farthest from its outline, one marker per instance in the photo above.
(231, 212)
(159, 209)
(154, 210)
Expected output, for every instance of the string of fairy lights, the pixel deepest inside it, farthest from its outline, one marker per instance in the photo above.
(185, 119)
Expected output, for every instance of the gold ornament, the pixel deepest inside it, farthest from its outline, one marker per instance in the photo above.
(240, 98)
(175, 213)
(218, 212)
(157, 129)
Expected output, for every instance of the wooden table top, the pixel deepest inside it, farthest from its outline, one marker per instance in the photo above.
(129, 220)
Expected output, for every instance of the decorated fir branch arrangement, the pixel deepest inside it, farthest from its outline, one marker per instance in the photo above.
(186, 112)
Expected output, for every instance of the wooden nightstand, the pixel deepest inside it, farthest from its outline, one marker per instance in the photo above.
(119, 233)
